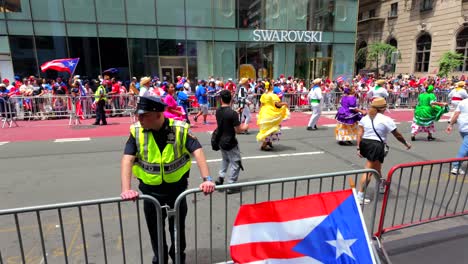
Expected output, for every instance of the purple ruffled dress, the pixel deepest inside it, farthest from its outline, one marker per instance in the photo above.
(345, 115)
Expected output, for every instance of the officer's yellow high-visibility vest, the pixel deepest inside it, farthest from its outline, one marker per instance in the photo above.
(153, 166)
(97, 94)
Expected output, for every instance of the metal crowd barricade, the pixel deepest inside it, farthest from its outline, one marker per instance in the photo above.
(7, 112)
(210, 235)
(94, 231)
(422, 192)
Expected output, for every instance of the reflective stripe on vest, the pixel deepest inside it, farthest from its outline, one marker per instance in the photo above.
(175, 157)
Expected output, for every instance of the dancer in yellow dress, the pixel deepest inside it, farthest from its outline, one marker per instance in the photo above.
(272, 113)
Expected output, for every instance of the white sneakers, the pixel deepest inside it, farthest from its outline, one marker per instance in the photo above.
(457, 171)
(363, 200)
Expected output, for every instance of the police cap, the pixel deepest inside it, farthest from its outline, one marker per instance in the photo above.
(150, 104)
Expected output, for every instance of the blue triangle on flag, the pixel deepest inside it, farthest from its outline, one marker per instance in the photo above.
(340, 238)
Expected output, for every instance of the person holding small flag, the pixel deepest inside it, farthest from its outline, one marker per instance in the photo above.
(315, 97)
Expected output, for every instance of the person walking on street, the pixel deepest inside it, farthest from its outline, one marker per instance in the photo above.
(100, 99)
(372, 141)
(202, 96)
(244, 103)
(228, 125)
(460, 116)
(158, 154)
(315, 97)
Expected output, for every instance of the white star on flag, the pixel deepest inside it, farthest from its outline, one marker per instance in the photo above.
(71, 63)
(342, 245)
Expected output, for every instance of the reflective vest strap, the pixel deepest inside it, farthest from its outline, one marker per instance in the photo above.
(176, 164)
(145, 145)
(150, 168)
(137, 140)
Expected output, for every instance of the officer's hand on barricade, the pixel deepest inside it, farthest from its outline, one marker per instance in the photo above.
(129, 195)
(207, 187)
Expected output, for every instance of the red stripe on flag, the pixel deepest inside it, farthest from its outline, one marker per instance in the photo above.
(291, 209)
(245, 253)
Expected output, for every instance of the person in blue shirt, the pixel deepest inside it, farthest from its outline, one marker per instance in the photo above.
(183, 100)
(277, 90)
(202, 97)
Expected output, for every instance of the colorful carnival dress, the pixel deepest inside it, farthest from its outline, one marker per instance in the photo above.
(347, 128)
(270, 117)
(172, 104)
(425, 114)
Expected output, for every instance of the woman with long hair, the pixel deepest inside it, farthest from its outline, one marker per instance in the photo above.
(272, 113)
(173, 110)
(348, 116)
(426, 113)
(371, 141)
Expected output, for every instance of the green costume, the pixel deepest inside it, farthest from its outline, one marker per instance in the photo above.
(425, 114)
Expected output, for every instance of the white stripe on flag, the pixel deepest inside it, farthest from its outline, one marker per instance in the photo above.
(274, 231)
(301, 260)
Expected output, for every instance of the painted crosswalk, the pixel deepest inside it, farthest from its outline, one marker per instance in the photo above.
(4, 142)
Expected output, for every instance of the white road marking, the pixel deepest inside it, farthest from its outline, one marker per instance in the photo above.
(4, 142)
(329, 125)
(62, 140)
(271, 156)
(285, 128)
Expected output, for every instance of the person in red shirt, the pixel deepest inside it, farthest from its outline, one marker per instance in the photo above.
(114, 93)
(230, 86)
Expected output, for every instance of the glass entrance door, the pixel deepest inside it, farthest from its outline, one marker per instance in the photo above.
(320, 68)
(172, 72)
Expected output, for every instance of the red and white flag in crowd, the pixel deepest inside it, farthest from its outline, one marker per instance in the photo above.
(340, 79)
(61, 65)
(320, 228)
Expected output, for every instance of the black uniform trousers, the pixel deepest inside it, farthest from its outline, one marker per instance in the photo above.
(150, 215)
(101, 112)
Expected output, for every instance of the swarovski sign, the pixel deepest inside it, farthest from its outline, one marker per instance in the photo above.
(287, 36)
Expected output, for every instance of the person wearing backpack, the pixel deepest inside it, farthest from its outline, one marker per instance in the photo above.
(228, 126)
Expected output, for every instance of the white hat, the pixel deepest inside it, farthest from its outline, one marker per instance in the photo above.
(317, 81)
(230, 79)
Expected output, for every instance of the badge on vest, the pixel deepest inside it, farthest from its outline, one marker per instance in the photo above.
(171, 138)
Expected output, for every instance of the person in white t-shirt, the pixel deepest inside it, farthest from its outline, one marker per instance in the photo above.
(371, 140)
(460, 116)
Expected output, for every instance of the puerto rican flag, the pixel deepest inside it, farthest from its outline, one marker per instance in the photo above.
(320, 228)
(61, 65)
(340, 78)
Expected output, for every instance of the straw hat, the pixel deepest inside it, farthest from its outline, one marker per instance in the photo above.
(380, 82)
(243, 81)
(145, 80)
(317, 81)
(461, 84)
(379, 102)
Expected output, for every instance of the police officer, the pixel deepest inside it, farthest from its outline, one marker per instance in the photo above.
(154, 143)
(100, 98)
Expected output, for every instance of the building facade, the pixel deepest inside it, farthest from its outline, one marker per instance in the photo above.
(196, 38)
(422, 30)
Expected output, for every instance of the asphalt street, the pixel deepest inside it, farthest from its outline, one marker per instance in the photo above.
(44, 172)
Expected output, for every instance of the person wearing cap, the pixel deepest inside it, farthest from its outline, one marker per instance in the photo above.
(100, 99)
(460, 117)
(315, 97)
(379, 90)
(457, 94)
(426, 113)
(371, 141)
(158, 153)
(230, 85)
(144, 85)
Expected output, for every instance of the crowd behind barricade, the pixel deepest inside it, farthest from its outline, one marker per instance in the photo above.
(40, 99)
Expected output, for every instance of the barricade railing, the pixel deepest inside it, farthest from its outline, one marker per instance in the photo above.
(212, 216)
(50, 106)
(94, 231)
(423, 192)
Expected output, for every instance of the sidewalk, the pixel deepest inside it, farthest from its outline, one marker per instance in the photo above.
(119, 126)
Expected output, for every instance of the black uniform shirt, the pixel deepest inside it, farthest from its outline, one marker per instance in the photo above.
(160, 136)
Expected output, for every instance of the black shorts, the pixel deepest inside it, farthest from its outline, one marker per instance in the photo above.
(372, 150)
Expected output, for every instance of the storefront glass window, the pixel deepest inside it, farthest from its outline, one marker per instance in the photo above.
(87, 50)
(144, 58)
(50, 48)
(47, 10)
(249, 14)
(114, 55)
(22, 53)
